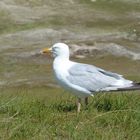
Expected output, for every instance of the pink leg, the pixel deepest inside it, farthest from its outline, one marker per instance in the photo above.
(79, 105)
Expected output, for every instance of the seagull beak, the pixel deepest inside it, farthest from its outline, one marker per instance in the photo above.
(46, 50)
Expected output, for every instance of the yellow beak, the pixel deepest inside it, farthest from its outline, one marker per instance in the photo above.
(46, 50)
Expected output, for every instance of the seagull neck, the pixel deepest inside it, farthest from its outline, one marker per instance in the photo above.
(60, 62)
(62, 57)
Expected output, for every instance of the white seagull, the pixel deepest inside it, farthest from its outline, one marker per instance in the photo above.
(83, 80)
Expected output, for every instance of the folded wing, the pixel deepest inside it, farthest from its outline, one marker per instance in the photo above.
(95, 79)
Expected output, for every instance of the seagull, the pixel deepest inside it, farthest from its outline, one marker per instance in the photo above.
(84, 80)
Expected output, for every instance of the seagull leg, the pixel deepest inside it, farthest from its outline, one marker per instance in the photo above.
(79, 105)
(86, 101)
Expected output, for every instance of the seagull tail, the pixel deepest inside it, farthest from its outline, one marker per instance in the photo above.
(134, 86)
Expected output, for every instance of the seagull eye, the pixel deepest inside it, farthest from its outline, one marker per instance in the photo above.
(55, 49)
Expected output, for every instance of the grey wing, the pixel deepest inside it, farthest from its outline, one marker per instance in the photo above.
(92, 78)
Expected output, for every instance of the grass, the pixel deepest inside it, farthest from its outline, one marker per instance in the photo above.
(72, 20)
(115, 6)
(8, 25)
(31, 2)
(46, 113)
(41, 112)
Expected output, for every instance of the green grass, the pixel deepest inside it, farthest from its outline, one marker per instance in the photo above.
(45, 113)
(115, 6)
(8, 25)
(73, 18)
(39, 112)
(31, 2)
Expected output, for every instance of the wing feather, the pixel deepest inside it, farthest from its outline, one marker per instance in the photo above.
(92, 78)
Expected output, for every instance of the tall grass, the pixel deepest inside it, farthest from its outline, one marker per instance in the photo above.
(45, 113)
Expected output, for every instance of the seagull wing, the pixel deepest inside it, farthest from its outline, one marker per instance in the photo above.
(94, 79)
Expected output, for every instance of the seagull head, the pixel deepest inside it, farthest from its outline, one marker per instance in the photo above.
(58, 50)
